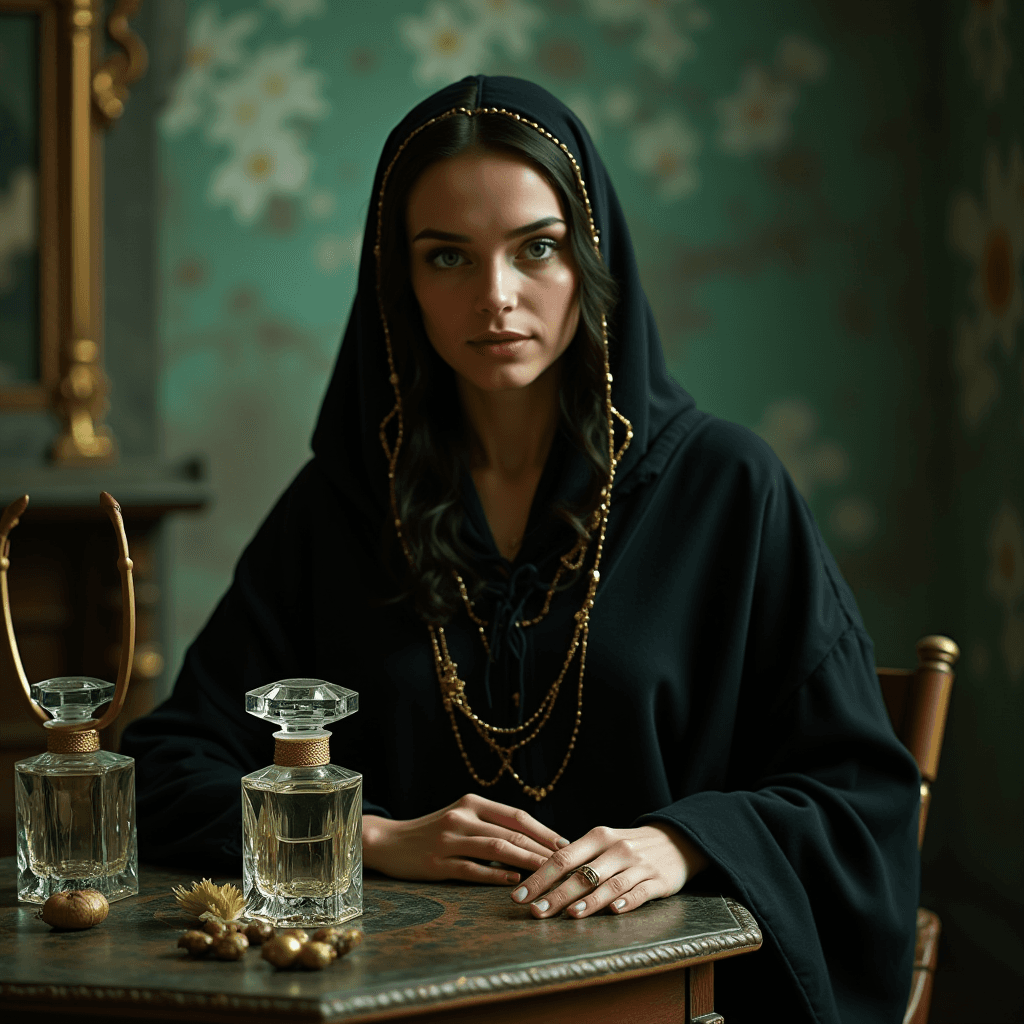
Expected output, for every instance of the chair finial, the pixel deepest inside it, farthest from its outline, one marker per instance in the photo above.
(937, 652)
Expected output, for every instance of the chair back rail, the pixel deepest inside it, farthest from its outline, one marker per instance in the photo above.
(917, 702)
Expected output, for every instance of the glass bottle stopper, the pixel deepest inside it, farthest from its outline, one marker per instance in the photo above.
(72, 700)
(302, 707)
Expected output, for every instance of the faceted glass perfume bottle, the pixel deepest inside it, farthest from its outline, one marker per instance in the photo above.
(302, 818)
(75, 803)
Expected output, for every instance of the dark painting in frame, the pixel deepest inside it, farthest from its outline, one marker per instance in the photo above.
(29, 204)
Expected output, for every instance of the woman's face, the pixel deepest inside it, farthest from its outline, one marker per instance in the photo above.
(492, 268)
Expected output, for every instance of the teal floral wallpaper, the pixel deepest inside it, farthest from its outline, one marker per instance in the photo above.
(973, 862)
(827, 201)
(751, 156)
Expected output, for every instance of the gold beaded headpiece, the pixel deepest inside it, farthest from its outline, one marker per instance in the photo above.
(453, 689)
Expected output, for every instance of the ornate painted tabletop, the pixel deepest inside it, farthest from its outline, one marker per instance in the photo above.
(427, 945)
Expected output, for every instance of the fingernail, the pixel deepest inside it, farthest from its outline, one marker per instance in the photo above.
(542, 905)
(578, 908)
(520, 894)
(563, 842)
(619, 904)
(511, 879)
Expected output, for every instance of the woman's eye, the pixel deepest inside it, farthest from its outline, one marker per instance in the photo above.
(540, 248)
(446, 258)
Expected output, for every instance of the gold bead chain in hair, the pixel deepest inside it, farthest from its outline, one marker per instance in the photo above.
(453, 688)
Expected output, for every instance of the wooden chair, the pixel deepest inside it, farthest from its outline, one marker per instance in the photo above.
(917, 702)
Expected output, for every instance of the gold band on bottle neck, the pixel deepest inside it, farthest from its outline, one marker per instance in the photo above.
(64, 741)
(302, 753)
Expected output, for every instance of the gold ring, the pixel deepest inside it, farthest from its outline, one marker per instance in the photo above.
(589, 874)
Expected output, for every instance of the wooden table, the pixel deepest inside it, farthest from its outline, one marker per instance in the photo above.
(434, 952)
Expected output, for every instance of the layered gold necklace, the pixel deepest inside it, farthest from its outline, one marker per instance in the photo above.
(505, 741)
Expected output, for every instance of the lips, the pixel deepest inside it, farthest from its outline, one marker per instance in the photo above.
(497, 337)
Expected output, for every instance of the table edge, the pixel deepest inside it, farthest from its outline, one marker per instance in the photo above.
(457, 991)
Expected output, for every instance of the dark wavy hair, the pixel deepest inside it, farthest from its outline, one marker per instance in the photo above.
(434, 451)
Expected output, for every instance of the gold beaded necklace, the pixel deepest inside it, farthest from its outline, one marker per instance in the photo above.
(453, 688)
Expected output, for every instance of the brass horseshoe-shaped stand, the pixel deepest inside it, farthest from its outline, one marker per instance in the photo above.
(8, 521)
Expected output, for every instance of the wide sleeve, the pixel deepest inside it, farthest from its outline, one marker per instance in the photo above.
(815, 826)
(193, 750)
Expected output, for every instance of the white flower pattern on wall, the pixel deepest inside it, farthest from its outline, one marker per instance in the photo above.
(321, 204)
(756, 118)
(272, 89)
(447, 47)
(988, 49)
(1006, 582)
(260, 166)
(620, 104)
(666, 28)
(800, 60)
(507, 22)
(211, 45)
(979, 385)
(667, 148)
(992, 237)
(790, 426)
(251, 110)
(452, 40)
(333, 252)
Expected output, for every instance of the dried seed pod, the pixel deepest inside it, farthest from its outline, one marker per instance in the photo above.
(197, 943)
(231, 947)
(330, 936)
(315, 956)
(348, 940)
(341, 940)
(281, 950)
(78, 908)
(299, 933)
(258, 931)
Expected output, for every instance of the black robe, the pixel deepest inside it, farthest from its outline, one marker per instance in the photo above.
(729, 688)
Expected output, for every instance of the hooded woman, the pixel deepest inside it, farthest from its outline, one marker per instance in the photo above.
(596, 635)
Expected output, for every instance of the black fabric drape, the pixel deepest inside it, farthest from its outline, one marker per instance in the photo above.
(729, 691)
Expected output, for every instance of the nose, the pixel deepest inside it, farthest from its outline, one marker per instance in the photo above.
(497, 288)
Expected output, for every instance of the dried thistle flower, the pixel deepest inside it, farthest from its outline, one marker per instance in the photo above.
(206, 900)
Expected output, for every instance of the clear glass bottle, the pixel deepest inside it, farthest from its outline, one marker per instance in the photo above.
(302, 818)
(75, 803)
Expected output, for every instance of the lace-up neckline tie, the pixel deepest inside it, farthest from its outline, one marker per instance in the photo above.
(506, 638)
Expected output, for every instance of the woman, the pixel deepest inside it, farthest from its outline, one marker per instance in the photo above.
(589, 624)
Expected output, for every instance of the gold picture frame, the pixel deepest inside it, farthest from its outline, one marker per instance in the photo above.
(80, 90)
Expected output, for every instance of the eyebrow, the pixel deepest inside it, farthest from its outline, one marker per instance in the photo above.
(448, 236)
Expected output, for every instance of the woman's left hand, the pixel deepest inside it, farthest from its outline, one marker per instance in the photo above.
(633, 865)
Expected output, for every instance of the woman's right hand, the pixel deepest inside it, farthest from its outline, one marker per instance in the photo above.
(449, 842)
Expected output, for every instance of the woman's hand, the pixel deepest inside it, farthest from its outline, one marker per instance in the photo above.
(633, 865)
(449, 842)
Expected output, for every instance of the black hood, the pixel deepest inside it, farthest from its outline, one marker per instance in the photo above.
(360, 395)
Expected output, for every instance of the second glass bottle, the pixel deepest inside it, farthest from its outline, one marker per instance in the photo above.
(302, 817)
